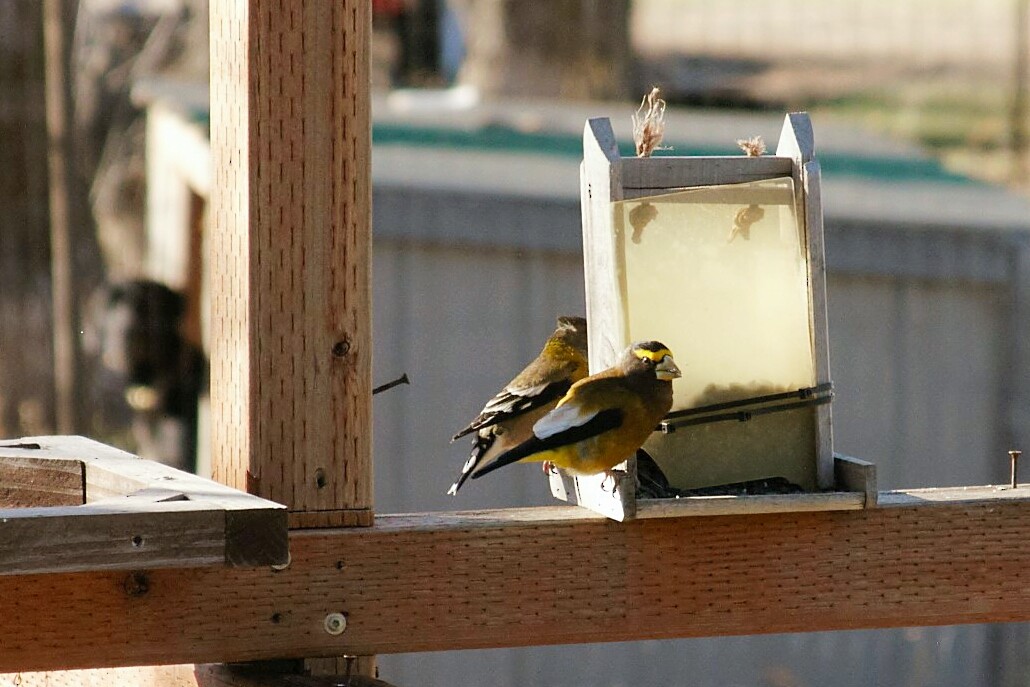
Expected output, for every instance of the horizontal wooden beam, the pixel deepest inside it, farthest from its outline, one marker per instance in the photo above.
(543, 576)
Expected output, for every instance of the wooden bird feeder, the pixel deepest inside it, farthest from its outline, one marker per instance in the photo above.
(721, 259)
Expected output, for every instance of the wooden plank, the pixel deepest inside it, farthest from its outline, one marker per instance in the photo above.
(66, 211)
(71, 449)
(600, 185)
(353, 517)
(178, 519)
(722, 195)
(693, 506)
(291, 202)
(544, 576)
(853, 474)
(68, 447)
(797, 143)
(967, 495)
(669, 172)
(131, 535)
(26, 481)
(111, 472)
(183, 676)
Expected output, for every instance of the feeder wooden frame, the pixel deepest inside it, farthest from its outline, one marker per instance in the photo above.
(281, 75)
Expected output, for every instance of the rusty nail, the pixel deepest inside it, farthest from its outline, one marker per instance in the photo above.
(403, 379)
(282, 566)
(1014, 462)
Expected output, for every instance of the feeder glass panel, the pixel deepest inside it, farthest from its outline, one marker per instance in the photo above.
(720, 275)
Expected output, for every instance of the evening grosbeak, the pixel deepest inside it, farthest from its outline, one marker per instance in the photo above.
(507, 419)
(603, 418)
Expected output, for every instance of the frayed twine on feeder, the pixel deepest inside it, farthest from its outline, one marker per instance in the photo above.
(649, 123)
(752, 147)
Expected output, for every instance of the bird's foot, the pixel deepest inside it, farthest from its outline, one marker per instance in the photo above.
(611, 476)
(548, 468)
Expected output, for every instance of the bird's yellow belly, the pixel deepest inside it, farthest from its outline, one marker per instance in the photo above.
(593, 455)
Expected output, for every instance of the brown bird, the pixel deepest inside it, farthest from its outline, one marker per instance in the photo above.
(507, 419)
(603, 418)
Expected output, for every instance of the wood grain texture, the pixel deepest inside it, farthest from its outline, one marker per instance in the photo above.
(352, 517)
(182, 676)
(670, 173)
(137, 514)
(812, 180)
(543, 576)
(291, 347)
(745, 505)
(26, 481)
(129, 536)
(854, 474)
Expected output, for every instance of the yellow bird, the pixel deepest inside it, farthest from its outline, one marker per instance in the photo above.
(507, 419)
(603, 418)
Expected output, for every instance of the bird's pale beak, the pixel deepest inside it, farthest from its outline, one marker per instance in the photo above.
(667, 369)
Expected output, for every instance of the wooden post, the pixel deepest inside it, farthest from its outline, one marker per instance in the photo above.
(291, 328)
(61, 251)
(291, 345)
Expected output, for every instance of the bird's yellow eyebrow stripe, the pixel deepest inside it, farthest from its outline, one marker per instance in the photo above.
(654, 356)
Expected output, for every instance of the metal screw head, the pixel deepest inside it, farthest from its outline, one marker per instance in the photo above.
(335, 623)
(341, 348)
(283, 566)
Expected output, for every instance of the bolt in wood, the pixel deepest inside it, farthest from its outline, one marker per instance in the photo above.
(1014, 462)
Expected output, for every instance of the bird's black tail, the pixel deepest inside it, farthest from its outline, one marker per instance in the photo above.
(603, 421)
(526, 448)
(482, 444)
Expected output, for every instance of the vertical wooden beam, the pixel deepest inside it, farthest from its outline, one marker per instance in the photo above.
(61, 253)
(291, 247)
